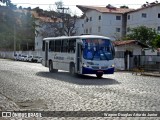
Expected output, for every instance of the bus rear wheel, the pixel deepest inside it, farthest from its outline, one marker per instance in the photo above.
(99, 75)
(51, 67)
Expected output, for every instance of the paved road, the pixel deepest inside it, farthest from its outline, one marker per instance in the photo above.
(29, 86)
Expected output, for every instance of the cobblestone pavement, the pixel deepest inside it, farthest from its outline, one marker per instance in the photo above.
(29, 86)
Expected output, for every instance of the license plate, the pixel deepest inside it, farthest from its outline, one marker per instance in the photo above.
(99, 71)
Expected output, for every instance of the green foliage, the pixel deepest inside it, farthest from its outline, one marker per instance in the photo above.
(143, 34)
(156, 42)
(18, 25)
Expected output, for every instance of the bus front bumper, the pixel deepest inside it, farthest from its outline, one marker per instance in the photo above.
(92, 71)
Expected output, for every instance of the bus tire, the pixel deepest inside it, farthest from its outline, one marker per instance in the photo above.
(51, 68)
(72, 69)
(99, 75)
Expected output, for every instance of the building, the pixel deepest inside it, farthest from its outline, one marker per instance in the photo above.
(44, 27)
(117, 22)
(79, 26)
(148, 15)
(125, 52)
(107, 21)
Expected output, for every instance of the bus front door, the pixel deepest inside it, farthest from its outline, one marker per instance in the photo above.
(79, 57)
(46, 54)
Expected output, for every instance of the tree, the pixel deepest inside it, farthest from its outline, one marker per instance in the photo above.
(143, 34)
(124, 7)
(12, 22)
(62, 22)
(156, 42)
(68, 21)
(8, 3)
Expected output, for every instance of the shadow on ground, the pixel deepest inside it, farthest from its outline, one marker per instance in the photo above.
(78, 79)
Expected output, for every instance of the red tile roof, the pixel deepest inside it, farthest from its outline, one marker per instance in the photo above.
(145, 7)
(118, 43)
(45, 19)
(104, 9)
(126, 42)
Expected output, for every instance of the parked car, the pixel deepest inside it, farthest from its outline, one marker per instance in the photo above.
(22, 57)
(25, 58)
(39, 59)
(17, 57)
(30, 58)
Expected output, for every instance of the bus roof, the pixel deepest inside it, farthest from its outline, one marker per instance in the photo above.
(72, 37)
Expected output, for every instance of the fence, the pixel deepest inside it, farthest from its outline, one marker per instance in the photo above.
(147, 62)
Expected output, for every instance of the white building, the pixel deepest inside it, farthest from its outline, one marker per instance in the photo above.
(125, 52)
(79, 26)
(44, 26)
(107, 21)
(148, 15)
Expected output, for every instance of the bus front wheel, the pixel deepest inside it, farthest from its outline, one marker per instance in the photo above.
(51, 67)
(99, 75)
(72, 70)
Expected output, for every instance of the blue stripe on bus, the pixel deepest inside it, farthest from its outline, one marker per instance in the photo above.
(91, 71)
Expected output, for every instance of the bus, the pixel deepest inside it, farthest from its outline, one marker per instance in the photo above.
(84, 54)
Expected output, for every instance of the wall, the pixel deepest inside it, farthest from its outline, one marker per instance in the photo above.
(10, 54)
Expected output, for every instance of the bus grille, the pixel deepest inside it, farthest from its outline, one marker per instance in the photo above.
(104, 67)
(95, 67)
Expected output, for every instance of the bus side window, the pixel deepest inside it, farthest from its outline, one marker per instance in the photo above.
(64, 47)
(57, 45)
(51, 45)
(72, 45)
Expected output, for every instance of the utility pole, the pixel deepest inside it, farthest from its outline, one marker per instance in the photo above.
(63, 8)
(14, 39)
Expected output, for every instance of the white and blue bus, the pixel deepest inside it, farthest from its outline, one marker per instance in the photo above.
(85, 54)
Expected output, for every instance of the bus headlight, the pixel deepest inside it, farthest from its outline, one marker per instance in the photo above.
(113, 65)
(84, 65)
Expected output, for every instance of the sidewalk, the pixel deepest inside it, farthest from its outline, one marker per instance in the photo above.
(146, 73)
(150, 73)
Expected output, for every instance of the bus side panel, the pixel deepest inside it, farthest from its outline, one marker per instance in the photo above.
(61, 61)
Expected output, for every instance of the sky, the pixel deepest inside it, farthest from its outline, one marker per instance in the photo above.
(49, 4)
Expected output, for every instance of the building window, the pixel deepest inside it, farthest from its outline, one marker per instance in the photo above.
(82, 25)
(118, 17)
(86, 19)
(144, 15)
(128, 17)
(119, 54)
(99, 18)
(86, 31)
(158, 15)
(158, 29)
(90, 30)
(90, 18)
(118, 29)
(99, 29)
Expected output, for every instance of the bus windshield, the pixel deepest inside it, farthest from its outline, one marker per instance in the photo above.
(97, 49)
